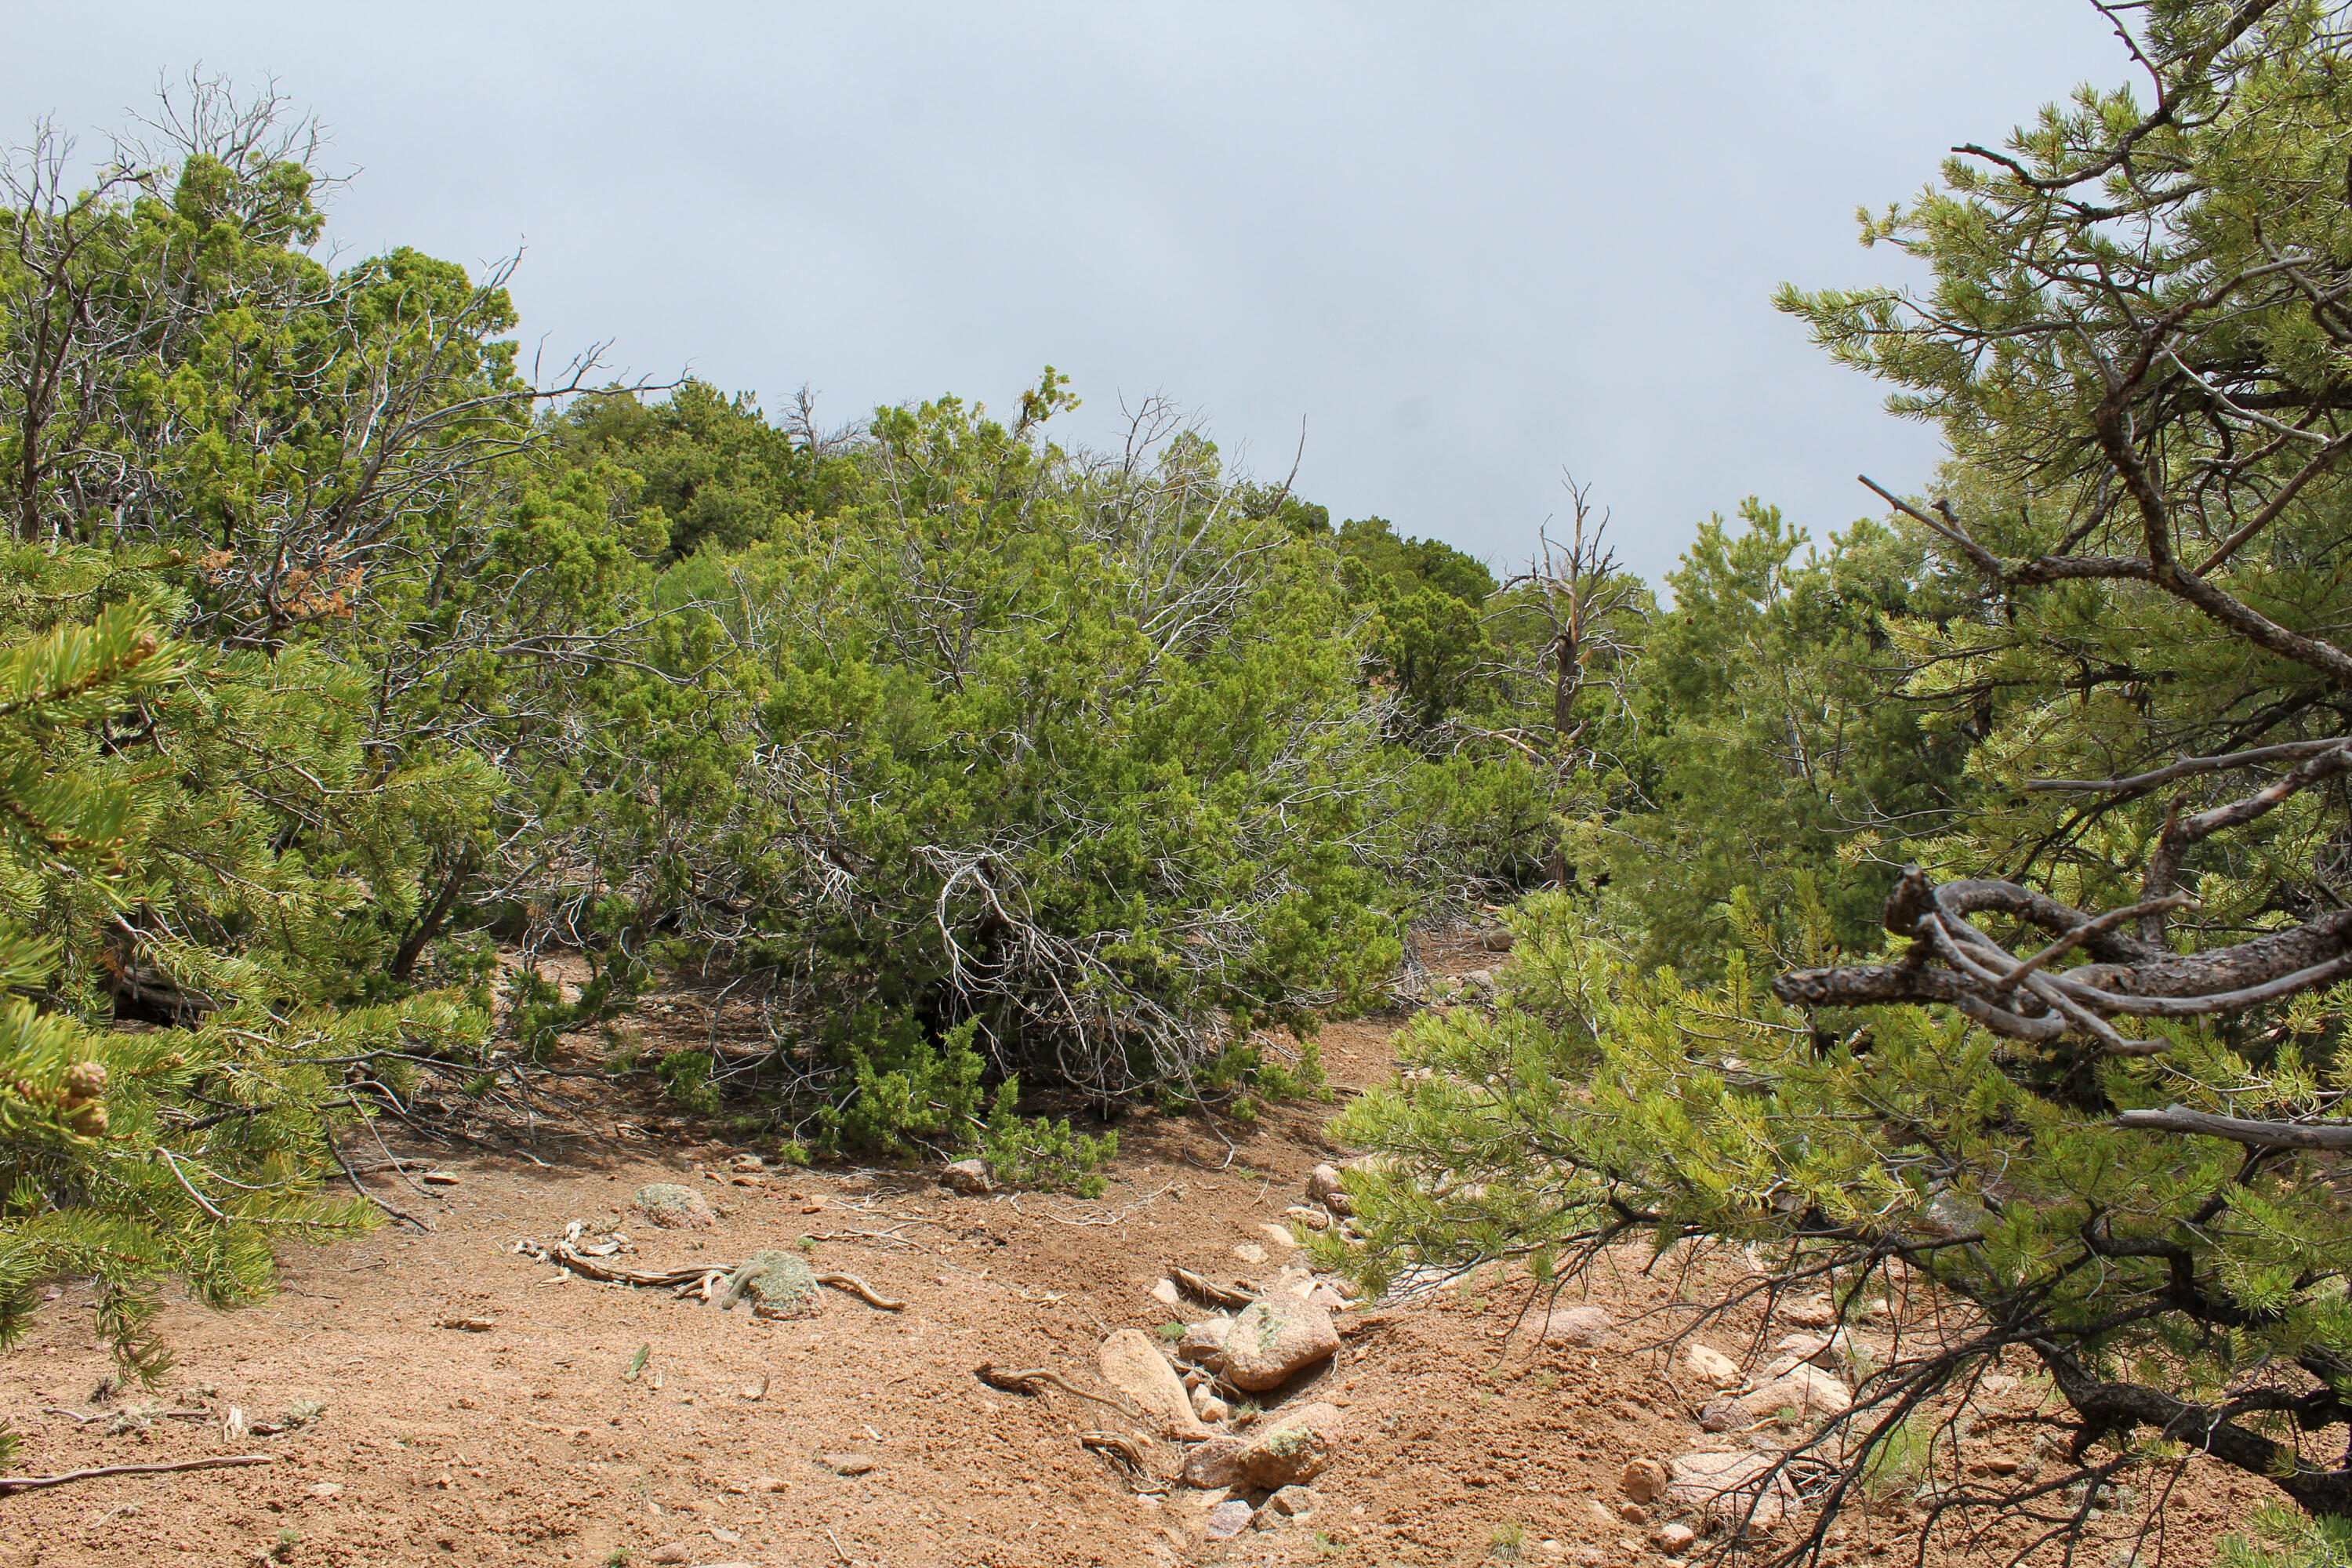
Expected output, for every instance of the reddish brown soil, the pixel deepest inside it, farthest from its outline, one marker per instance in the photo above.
(523, 1444)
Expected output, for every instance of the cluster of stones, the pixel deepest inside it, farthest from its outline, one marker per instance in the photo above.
(1804, 1381)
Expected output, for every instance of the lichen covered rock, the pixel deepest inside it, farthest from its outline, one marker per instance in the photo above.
(673, 1207)
(777, 1284)
(1271, 1341)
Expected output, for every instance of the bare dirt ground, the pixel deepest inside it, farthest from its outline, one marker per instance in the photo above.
(873, 1442)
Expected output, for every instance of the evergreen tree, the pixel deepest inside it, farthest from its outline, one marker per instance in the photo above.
(2090, 1091)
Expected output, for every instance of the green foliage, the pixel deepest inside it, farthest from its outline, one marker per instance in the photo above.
(1771, 748)
(1041, 1152)
(904, 1089)
(128, 1158)
(1070, 756)
(714, 473)
(2134, 560)
(2283, 1537)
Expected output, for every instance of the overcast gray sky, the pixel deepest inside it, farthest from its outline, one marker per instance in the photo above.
(1467, 245)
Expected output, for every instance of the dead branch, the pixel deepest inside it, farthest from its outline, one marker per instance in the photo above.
(34, 1483)
(2130, 977)
(2238, 1129)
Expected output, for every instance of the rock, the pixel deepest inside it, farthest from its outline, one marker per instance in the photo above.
(674, 1552)
(1723, 1414)
(1494, 936)
(2001, 1466)
(1292, 1502)
(1585, 1326)
(1813, 1312)
(1164, 1291)
(1312, 1218)
(848, 1464)
(1673, 1538)
(438, 1179)
(1293, 1446)
(1707, 1365)
(1227, 1520)
(1323, 1187)
(1645, 1479)
(1728, 1485)
(1132, 1364)
(1325, 1296)
(325, 1489)
(766, 1484)
(672, 1207)
(1804, 1388)
(1250, 1252)
(1208, 1407)
(1205, 1341)
(1280, 1235)
(1215, 1463)
(751, 1164)
(1633, 1513)
(1269, 1343)
(968, 1178)
(777, 1284)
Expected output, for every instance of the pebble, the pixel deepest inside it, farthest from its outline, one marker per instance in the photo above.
(1673, 1538)
(849, 1464)
(968, 1178)
(1312, 1218)
(1645, 1479)
(1212, 1464)
(1813, 1312)
(438, 1179)
(1292, 1502)
(768, 1484)
(672, 1552)
(1207, 1406)
(1205, 1341)
(1164, 1291)
(1587, 1327)
(1280, 1235)
(1706, 1364)
(1728, 1484)
(1250, 1252)
(1323, 1187)
(1228, 1518)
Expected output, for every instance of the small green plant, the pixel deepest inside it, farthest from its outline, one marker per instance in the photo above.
(1506, 1540)
(286, 1541)
(303, 1412)
(2286, 1537)
(1172, 1333)
(1306, 1079)
(808, 1245)
(685, 1077)
(617, 1558)
(637, 1362)
(1898, 1463)
(624, 1047)
(1040, 1152)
